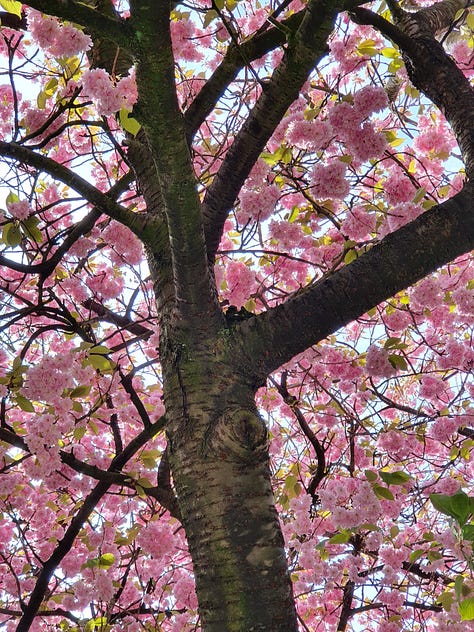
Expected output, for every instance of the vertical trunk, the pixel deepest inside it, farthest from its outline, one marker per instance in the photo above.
(219, 460)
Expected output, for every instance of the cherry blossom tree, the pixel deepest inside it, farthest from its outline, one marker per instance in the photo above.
(237, 305)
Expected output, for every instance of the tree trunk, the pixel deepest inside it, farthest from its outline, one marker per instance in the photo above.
(218, 450)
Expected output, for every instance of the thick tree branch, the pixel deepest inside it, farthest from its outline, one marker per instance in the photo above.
(13, 21)
(305, 49)
(431, 69)
(90, 502)
(46, 267)
(236, 58)
(123, 322)
(399, 260)
(159, 112)
(141, 225)
(97, 23)
(441, 15)
(163, 492)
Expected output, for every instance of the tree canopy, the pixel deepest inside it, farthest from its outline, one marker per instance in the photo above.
(237, 310)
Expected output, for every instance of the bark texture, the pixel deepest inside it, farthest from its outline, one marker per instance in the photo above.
(217, 442)
(218, 450)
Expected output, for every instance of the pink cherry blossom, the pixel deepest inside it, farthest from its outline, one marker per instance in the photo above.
(359, 223)
(377, 362)
(329, 181)
(370, 99)
(19, 210)
(312, 135)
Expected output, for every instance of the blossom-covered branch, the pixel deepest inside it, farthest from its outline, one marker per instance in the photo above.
(399, 260)
(305, 48)
(136, 222)
(96, 22)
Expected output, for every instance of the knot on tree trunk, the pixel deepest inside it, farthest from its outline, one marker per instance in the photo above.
(239, 434)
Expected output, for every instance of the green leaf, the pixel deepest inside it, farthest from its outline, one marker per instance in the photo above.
(395, 478)
(392, 343)
(12, 197)
(345, 158)
(350, 256)
(80, 391)
(462, 507)
(282, 154)
(466, 609)
(41, 99)
(30, 229)
(419, 195)
(97, 357)
(468, 532)
(383, 492)
(367, 48)
(144, 483)
(11, 234)
(100, 363)
(51, 86)
(210, 16)
(11, 6)
(77, 407)
(395, 65)
(457, 506)
(446, 600)
(140, 491)
(458, 584)
(292, 486)
(295, 211)
(340, 538)
(106, 560)
(390, 53)
(149, 458)
(398, 362)
(128, 123)
(414, 555)
(370, 476)
(79, 432)
(24, 404)
(99, 623)
(470, 21)
(99, 350)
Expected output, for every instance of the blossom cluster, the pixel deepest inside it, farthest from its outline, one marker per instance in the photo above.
(350, 122)
(109, 96)
(59, 40)
(19, 210)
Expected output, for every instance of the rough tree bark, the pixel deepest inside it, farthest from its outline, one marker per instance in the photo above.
(217, 442)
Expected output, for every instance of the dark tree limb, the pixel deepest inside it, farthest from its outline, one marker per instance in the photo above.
(107, 315)
(306, 47)
(84, 226)
(12, 21)
(402, 258)
(65, 544)
(292, 402)
(441, 15)
(138, 223)
(163, 492)
(236, 58)
(96, 22)
(431, 69)
(159, 113)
